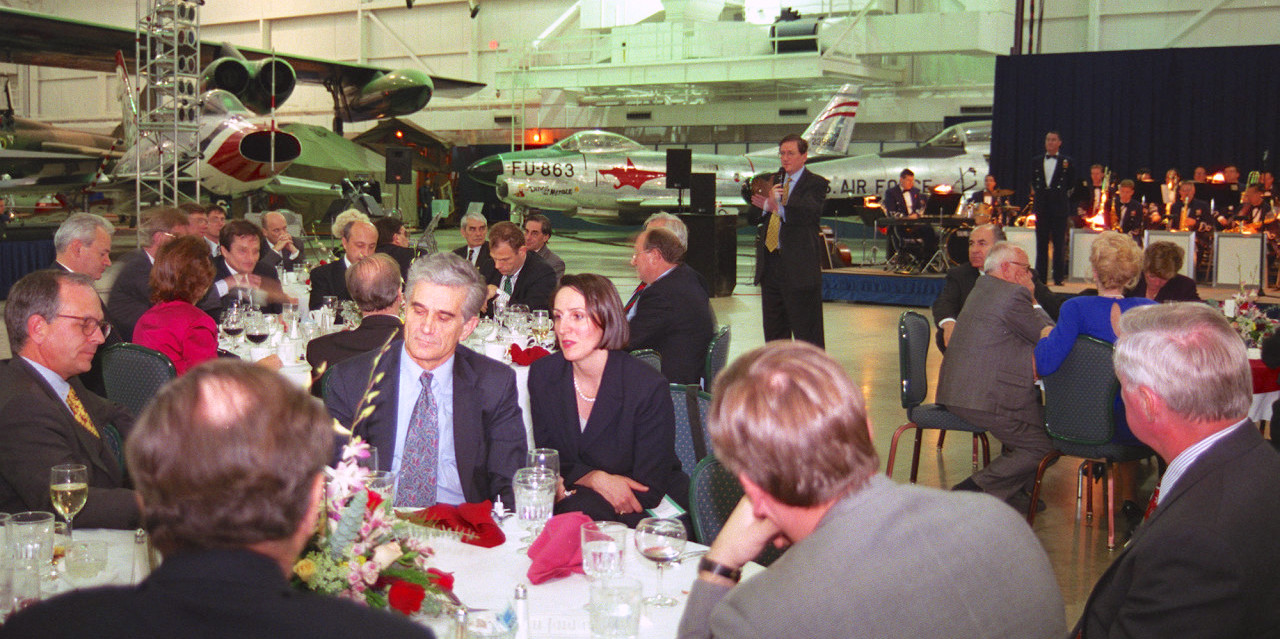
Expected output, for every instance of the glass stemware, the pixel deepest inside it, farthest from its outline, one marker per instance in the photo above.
(233, 324)
(660, 541)
(68, 489)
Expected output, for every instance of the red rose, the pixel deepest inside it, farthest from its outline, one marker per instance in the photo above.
(374, 499)
(406, 597)
(441, 578)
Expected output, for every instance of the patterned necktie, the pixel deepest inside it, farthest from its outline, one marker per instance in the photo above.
(417, 485)
(506, 284)
(81, 415)
(472, 254)
(772, 234)
(634, 296)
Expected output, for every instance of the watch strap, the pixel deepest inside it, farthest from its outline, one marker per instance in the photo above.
(719, 569)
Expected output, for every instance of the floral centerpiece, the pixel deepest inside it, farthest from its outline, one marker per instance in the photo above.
(1247, 318)
(363, 552)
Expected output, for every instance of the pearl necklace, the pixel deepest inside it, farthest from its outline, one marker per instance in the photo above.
(589, 400)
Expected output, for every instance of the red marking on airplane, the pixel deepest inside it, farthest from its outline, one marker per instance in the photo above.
(228, 160)
(853, 112)
(631, 176)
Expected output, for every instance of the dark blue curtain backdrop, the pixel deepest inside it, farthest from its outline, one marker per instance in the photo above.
(1165, 108)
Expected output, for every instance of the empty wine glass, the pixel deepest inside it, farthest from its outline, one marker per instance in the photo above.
(548, 458)
(535, 493)
(68, 489)
(660, 541)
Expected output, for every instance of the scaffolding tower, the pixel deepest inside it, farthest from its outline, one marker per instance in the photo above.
(167, 68)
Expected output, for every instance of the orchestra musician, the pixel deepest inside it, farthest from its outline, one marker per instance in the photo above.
(989, 202)
(1127, 210)
(1255, 212)
(905, 201)
(1187, 212)
(1090, 196)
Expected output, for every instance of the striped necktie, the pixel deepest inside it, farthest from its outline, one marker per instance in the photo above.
(81, 415)
(417, 485)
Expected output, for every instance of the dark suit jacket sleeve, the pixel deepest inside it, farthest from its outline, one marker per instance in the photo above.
(130, 295)
(321, 285)
(504, 435)
(655, 430)
(804, 205)
(342, 393)
(1048, 300)
(651, 321)
(535, 292)
(949, 301)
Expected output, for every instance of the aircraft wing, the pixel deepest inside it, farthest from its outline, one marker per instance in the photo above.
(19, 155)
(37, 39)
(286, 185)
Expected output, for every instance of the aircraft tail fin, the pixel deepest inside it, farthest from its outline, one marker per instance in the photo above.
(831, 132)
(128, 100)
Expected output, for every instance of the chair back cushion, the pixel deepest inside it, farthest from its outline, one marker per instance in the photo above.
(713, 493)
(650, 357)
(133, 374)
(693, 443)
(913, 352)
(717, 356)
(1079, 397)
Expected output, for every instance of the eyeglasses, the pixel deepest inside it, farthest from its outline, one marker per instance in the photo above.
(1020, 265)
(89, 324)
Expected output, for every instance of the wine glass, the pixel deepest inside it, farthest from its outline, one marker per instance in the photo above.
(660, 541)
(548, 458)
(256, 329)
(541, 326)
(233, 324)
(535, 493)
(68, 489)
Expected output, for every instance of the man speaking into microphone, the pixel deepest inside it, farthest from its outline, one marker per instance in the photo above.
(789, 247)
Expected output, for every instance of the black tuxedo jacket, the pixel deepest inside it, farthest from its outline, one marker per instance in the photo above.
(205, 594)
(38, 431)
(673, 317)
(130, 295)
(1204, 564)
(223, 272)
(1179, 288)
(800, 244)
(328, 279)
(958, 285)
(483, 261)
(895, 204)
(1199, 211)
(1053, 196)
(534, 285)
(373, 332)
(631, 430)
(488, 427)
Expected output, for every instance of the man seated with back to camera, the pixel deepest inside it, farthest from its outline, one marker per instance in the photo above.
(229, 462)
(960, 281)
(375, 284)
(791, 425)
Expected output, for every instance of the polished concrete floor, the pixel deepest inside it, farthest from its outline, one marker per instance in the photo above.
(863, 339)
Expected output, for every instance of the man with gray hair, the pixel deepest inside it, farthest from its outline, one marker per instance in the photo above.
(375, 284)
(83, 244)
(994, 342)
(444, 418)
(474, 229)
(670, 222)
(1204, 562)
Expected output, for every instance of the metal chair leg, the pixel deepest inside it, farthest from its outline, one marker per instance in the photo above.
(986, 449)
(974, 443)
(1035, 491)
(893, 446)
(942, 437)
(915, 454)
(1109, 490)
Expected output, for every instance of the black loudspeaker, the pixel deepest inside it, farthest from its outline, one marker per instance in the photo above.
(713, 250)
(399, 165)
(702, 193)
(679, 163)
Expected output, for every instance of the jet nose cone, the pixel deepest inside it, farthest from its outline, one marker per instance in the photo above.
(486, 170)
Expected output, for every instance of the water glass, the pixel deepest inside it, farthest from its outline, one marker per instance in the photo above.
(382, 482)
(6, 568)
(548, 458)
(31, 537)
(615, 607)
(603, 543)
(86, 560)
(535, 493)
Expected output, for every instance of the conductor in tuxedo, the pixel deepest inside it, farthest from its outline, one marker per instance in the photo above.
(803, 453)
(1052, 176)
(359, 240)
(789, 248)
(445, 419)
(229, 461)
(1204, 562)
(520, 276)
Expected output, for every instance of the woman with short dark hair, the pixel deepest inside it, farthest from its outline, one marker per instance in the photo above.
(608, 414)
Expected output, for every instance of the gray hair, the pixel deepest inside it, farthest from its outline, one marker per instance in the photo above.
(38, 293)
(80, 226)
(671, 223)
(344, 220)
(1000, 253)
(448, 269)
(374, 282)
(473, 215)
(997, 231)
(1188, 354)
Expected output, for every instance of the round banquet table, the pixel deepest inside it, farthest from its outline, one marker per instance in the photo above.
(485, 578)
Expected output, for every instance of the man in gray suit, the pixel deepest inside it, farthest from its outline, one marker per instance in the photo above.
(870, 558)
(988, 378)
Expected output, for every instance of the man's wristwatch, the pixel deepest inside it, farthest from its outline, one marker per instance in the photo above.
(719, 569)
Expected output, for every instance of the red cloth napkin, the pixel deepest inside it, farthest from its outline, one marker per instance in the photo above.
(557, 552)
(475, 519)
(527, 356)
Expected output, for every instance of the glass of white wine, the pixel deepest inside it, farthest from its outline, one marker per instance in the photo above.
(660, 541)
(69, 489)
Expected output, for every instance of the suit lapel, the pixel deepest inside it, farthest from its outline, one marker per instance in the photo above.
(92, 445)
(604, 412)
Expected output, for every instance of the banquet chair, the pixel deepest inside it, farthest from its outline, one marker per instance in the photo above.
(693, 444)
(913, 351)
(1079, 415)
(713, 494)
(133, 374)
(650, 357)
(717, 356)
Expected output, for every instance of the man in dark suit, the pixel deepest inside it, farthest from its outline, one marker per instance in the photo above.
(130, 295)
(789, 248)
(83, 245)
(1052, 177)
(445, 419)
(537, 236)
(239, 272)
(905, 201)
(672, 315)
(393, 241)
(960, 281)
(229, 461)
(47, 417)
(359, 240)
(374, 283)
(1204, 562)
(520, 276)
(474, 227)
(278, 248)
(987, 377)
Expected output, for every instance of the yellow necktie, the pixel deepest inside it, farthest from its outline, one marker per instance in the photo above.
(81, 415)
(775, 221)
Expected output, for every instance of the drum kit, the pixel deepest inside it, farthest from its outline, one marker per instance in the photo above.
(953, 243)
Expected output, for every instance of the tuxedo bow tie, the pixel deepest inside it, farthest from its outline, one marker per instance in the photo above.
(1051, 157)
